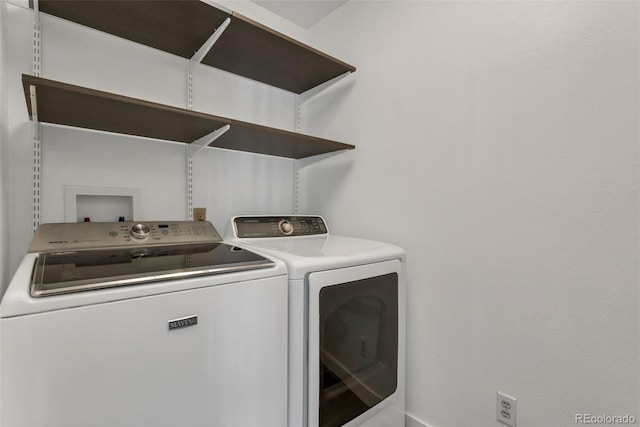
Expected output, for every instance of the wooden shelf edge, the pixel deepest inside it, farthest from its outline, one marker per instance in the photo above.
(77, 106)
(246, 48)
(347, 67)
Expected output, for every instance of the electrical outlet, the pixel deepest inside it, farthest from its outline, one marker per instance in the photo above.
(506, 409)
(199, 214)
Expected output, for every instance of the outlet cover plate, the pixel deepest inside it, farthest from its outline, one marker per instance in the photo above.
(199, 214)
(506, 409)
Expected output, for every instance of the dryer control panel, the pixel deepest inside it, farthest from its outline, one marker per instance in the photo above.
(249, 227)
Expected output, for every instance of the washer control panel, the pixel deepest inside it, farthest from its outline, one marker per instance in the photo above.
(94, 235)
(248, 227)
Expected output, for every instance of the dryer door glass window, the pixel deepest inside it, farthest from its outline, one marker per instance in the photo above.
(358, 347)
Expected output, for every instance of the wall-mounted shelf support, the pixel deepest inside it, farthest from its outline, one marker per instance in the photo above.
(36, 39)
(299, 170)
(321, 88)
(33, 99)
(206, 47)
(193, 148)
(36, 157)
(300, 178)
(203, 142)
(199, 56)
(207, 139)
(37, 69)
(36, 13)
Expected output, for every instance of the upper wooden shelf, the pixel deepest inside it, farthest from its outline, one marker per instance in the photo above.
(181, 27)
(70, 105)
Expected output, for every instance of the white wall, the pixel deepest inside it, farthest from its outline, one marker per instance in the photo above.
(227, 183)
(504, 133)
(498, 143)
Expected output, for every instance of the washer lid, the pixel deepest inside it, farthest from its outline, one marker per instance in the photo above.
(17, 300)
(76, 271)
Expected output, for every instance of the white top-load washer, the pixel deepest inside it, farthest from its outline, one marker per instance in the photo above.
(154, 324)
(346, 320)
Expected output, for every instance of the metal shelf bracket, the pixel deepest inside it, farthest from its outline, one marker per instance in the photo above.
(193, 148)
(36, 157)
(36, 39)
(321, 88)
(206, 47)
(300, 165)
(300, 178)
(36, 14)
(199, 56)
(201, 143)
(207, 139)
(37, 69)
(34, 111)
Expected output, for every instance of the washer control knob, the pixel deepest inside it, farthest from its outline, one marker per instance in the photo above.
(285, 226)
(140, 231)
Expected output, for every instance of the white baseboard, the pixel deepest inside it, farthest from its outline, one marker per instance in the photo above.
(411, 421)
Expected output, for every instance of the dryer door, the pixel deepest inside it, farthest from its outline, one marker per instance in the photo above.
(353, 342)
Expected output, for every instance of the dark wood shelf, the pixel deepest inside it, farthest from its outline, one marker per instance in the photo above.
(181, 27)
(70, 105)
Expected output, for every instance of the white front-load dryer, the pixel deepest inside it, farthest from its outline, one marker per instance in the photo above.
(346, 320)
